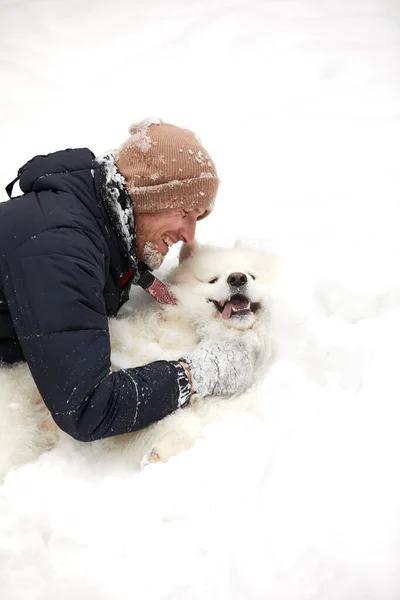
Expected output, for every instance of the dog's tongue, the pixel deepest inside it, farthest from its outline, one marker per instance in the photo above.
(226, 313)
(237, 303)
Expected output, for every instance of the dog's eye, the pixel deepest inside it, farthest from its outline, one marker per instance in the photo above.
(253, 276)
(214, 280)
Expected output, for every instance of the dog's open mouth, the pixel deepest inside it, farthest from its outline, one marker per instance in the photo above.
(237, 305)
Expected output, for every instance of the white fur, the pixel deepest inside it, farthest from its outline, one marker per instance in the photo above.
(166, 333)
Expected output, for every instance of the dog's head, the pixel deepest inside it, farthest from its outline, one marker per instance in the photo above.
(220, 288)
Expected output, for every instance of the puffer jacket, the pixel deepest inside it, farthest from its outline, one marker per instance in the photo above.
(61, 270)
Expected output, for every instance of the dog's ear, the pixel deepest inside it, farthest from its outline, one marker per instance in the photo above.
(188, 251)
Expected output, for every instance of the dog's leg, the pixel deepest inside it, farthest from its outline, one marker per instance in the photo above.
(175, 434)
(26, 427)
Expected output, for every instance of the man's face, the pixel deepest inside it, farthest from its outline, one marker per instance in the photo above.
(157, 232)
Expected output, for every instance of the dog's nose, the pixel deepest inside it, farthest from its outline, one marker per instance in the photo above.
(237, 279)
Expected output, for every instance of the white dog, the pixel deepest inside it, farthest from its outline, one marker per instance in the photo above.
(202, 283)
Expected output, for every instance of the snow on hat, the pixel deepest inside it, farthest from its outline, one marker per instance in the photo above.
(165, 167)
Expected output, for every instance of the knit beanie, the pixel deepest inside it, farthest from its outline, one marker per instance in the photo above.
(165, 167)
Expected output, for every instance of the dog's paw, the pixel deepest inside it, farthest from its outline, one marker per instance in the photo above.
(150, 458)
(165, 449)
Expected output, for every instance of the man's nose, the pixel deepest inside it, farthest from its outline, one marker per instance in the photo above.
(188, 232)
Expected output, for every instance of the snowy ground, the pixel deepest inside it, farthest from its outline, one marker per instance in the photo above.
(298, 103)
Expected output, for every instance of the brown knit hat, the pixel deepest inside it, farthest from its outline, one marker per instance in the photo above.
(165, 167)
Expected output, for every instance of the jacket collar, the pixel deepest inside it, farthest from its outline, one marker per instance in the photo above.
(119, 209)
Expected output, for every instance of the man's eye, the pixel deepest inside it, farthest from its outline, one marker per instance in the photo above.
(214, 280)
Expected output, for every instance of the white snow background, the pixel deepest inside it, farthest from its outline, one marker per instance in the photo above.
(298, 102)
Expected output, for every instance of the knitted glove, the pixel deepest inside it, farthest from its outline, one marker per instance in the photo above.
(221, 368)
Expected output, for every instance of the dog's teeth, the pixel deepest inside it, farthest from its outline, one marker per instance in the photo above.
(245, 308)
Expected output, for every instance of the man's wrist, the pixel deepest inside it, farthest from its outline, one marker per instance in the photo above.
(188, 375)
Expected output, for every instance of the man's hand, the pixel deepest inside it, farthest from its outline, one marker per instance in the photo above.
(221, 368)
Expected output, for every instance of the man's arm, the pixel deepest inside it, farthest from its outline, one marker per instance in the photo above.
(54, 289)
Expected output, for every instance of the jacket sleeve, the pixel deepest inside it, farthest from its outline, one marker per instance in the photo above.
(54, 288)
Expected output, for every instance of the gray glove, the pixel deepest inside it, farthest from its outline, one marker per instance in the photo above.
(221, 368)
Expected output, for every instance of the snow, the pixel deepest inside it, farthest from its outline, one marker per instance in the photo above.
(115, 182)
(151, 255)
(297, 102)
(139, 138)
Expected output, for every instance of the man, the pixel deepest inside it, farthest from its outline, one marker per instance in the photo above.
(85, 230)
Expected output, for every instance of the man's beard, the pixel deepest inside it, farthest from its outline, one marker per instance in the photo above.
(152, 255)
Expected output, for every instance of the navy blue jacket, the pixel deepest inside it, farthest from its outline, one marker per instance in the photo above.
(61, 268)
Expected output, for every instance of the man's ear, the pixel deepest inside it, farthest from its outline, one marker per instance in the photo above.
(188, 251)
